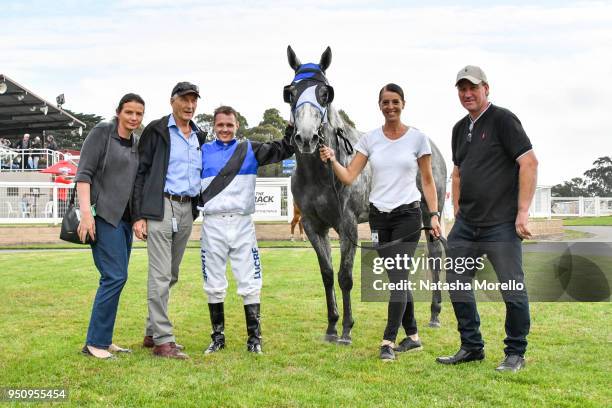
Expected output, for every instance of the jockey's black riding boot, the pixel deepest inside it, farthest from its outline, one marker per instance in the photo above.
(253, 327)
(217, 319)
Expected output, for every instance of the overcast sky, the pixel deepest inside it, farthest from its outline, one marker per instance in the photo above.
(550, 63)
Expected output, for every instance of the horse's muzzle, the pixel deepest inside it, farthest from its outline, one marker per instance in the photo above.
(306, 146)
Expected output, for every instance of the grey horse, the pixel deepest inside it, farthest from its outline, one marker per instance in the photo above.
(324, 201)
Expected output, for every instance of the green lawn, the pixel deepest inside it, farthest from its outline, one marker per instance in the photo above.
(587, 221)
(190, 244)
(570, 235)
(46, 301)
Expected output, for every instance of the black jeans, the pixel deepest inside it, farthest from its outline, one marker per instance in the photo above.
(503, 249)
(400, 223)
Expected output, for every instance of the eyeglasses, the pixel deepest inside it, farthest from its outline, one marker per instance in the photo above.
(469, 135)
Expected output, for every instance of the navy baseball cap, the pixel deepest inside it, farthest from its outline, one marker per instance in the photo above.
(184, 88)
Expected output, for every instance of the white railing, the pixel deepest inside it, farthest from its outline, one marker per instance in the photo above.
(32, 202)
(31, 160)
(17, 160)
(46, 203)
(581, 206)
(540, 205)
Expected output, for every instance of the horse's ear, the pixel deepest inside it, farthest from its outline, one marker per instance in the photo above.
(325, 59)
(294, 62)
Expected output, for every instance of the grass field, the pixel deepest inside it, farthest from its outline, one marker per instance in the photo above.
(586, 221)
(568, 235)
(190, 244)
(47, 296)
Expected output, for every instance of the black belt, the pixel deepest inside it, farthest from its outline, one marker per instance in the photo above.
(403, 207)
(180, 199)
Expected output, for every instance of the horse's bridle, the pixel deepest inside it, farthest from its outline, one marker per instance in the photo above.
(306, 77)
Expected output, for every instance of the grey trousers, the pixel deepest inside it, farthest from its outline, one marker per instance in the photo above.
(165, 249)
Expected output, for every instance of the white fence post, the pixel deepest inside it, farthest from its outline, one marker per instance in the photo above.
(54, 201)
(289, 201)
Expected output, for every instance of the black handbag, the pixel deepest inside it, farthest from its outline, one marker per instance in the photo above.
(70, 223)
(72, 217)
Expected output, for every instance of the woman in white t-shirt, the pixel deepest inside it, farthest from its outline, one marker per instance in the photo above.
(396, 152)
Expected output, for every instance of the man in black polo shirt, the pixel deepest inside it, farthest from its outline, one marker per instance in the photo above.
(494, 179)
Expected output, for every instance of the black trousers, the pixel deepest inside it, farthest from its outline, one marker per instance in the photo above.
(400, 223)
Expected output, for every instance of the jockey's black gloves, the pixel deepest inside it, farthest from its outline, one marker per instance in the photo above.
(289, 130)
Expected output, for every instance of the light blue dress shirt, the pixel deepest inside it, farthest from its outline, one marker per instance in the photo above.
(185, 166)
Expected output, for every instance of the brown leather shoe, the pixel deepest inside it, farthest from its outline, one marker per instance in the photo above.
(166, 350)
(179, 347)
(149, 343)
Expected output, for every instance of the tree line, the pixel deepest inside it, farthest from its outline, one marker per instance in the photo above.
(271, 127)
(597, 182)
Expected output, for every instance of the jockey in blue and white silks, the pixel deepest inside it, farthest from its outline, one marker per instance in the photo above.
(234, 202)
(228, 231)
(239, 196)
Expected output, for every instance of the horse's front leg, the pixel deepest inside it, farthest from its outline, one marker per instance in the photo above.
(348, 238)
(320, 242)
(434, 250)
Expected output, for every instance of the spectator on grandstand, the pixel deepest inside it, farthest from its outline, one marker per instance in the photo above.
(51, 145)
(25, 145)
(36, 151)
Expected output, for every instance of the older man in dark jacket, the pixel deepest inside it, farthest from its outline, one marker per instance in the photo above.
(165, 195)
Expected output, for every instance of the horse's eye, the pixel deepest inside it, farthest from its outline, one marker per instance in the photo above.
(325, 94)
(289, 93)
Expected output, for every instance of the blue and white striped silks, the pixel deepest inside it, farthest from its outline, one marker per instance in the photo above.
(239, 196)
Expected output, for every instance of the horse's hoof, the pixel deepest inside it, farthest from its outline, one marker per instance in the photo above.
(435, 323)
(331, 338)
(292, 239)
(345, 341)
